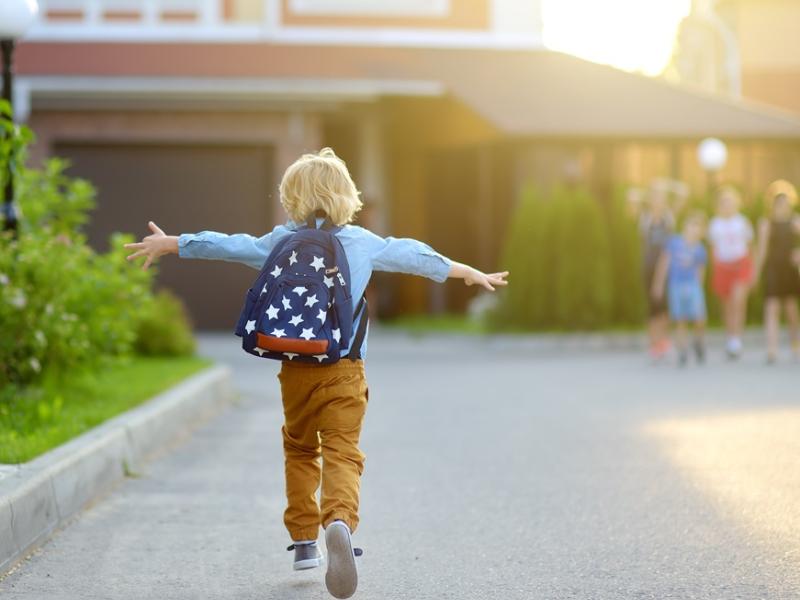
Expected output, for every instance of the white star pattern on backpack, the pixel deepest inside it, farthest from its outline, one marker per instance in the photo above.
(292, 260)
(311, 300)
(272, 312)
(276, 271)
(296, 320)
(318, 263)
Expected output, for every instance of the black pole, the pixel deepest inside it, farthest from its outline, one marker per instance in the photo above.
(9, 211)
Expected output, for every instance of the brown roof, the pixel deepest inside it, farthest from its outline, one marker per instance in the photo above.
(521, 92)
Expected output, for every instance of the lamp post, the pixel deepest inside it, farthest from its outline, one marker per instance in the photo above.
(712, 154)
(16, 16)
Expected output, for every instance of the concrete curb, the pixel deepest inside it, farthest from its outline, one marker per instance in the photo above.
(39, 496)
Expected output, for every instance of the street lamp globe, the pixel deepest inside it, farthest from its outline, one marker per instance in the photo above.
(16, 17)
(712, 154)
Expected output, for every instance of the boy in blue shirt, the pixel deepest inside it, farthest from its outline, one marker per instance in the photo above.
(324, 405)
(681, 267)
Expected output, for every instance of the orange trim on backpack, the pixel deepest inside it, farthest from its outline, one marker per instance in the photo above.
(308, 347)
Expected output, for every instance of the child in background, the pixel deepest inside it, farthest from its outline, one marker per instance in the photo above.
(324, 405)
(656, 214)
(682, 267)
(777, 262)
(731, 236)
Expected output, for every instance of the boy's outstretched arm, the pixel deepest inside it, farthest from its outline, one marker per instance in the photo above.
(210, 245)
(404, 255)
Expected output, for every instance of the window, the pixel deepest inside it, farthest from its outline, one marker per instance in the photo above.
(405, 8)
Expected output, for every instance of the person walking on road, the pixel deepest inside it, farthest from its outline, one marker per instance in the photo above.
(777, 261)
(324, 404)
(731, 236)
(656, 211)
(681, 273)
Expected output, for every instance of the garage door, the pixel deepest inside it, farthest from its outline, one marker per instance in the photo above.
(183, 189)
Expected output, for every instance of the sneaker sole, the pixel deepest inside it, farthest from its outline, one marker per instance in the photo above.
(310, 563)
(341, 578)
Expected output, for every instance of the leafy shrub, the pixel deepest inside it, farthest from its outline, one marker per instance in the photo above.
(63, 307)
(164, 328)
(583, 285)
(524, 304)
(626, 263)
(560, 255)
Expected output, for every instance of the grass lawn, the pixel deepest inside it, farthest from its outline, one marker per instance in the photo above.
(38, 420)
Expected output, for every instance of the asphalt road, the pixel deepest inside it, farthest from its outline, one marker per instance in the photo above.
(493, 471)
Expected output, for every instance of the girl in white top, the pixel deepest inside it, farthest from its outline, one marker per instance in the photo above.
(731, 236)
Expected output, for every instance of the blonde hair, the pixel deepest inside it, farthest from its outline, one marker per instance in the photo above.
(319, 182)
(777, 188)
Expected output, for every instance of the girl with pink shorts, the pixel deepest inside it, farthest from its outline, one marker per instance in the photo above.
(731, 237)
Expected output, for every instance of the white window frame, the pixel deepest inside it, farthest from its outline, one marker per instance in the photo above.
(372, 8)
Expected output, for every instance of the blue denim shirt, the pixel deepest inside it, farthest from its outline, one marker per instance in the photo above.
(366, 252)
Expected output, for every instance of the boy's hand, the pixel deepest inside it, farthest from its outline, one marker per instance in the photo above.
(154, 245)
(474, 277)
(485, 280)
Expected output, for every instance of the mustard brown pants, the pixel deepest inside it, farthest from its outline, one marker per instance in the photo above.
(324, 408)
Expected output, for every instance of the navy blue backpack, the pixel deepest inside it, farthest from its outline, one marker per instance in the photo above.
(300, 307)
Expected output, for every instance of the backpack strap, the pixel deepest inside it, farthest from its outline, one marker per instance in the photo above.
(311, 221)
(361, 332)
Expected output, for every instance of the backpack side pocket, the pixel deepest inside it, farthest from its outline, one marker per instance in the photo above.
(249, 303)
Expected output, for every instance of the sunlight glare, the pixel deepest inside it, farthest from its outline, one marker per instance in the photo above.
(747, 464)
(636, 35)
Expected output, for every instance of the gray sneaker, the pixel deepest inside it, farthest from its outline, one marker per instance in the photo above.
(342, 576)
(306, 556)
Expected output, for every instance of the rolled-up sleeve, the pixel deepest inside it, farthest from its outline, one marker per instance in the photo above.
(240, 247)
(404, 255)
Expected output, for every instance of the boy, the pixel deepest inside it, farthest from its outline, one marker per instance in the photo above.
(324, 405)
(682, 264)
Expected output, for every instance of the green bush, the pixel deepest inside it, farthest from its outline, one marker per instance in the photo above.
(626, 263)
(583, 285)
(559, 252)
(164, 328)
(63, 307)
(524, 305)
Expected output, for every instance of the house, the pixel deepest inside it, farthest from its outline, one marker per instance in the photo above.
(746, 47)
(187, 112)
(769, 47)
